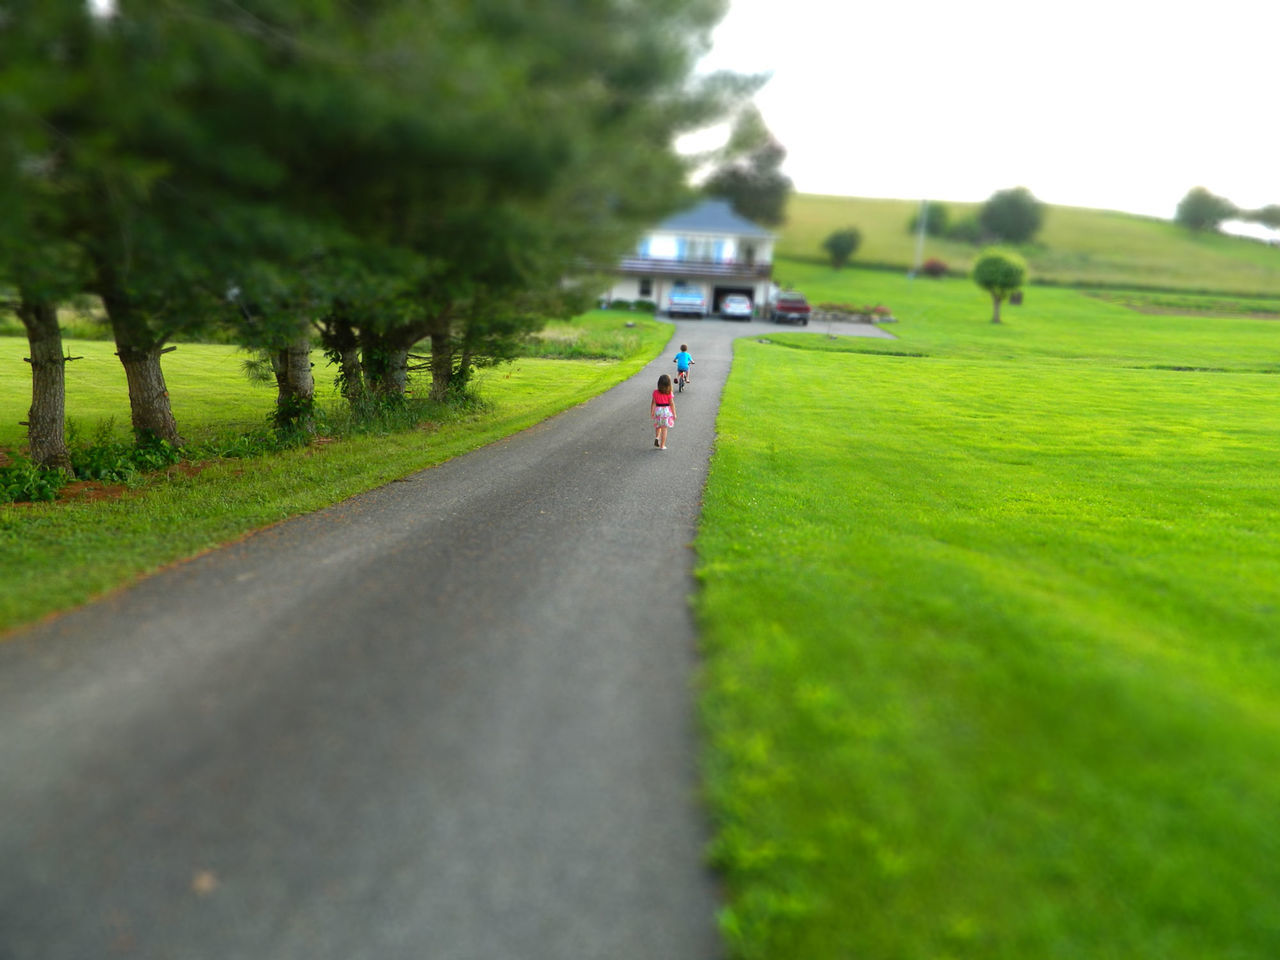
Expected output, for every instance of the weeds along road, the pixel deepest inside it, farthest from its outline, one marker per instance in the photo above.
(451, 718)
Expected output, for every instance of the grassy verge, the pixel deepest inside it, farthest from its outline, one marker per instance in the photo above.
(992, 641)
(58, 555)
(597, 335)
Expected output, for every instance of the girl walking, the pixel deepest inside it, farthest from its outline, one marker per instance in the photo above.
(663, 410)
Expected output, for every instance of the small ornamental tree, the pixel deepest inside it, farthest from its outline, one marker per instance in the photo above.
(1014, 216)
(1202, 210)
(1000, 273)
(841, 245)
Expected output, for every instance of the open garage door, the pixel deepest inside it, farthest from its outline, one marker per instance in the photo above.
(717, 300)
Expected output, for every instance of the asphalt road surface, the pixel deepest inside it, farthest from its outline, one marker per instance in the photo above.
(450, 718)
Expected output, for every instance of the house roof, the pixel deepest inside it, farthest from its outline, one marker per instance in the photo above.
(712, 216)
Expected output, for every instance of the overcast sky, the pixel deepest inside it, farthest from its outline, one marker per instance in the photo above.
(1121, 105)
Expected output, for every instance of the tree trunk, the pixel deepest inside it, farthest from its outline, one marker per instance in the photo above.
(995, 316)
(352, 372)
(441, 364)
(464, 365)
(46, 421)
(341, 338)
(148, 396)
(386, 365)
(295, 387)
(392, 378)
(139, 352)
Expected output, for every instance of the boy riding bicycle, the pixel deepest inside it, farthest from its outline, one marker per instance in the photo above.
(682, 361)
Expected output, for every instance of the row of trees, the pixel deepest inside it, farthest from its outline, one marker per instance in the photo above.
(1009, 216)
(1202, 210)
(1016, 216)
(378, 173)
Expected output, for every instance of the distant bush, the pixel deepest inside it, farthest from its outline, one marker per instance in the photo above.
(841, 245)
(620, 305)
(646, 306)
(933, 267)
(1014, 216)
(1268, 216)
(1202, 210)
(966, 230)
(936, 218)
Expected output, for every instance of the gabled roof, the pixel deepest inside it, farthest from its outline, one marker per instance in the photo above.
(713, 216)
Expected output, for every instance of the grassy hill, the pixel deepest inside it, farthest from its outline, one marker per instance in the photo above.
(1077, 246)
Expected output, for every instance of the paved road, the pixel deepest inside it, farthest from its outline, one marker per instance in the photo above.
(451, 718)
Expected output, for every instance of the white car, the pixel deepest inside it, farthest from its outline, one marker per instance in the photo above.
(735, 307)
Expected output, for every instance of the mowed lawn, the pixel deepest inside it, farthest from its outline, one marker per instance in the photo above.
(993, 635)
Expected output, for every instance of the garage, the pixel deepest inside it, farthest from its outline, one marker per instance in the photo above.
(720, 293)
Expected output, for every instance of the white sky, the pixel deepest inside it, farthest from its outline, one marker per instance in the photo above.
(1123, 105)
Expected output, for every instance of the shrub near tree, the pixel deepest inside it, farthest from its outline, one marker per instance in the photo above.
(965, 230)
(841, 245)
(1000, 273)
(1014, 216)
(936, 219)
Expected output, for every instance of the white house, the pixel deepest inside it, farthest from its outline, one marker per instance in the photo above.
(708, 249)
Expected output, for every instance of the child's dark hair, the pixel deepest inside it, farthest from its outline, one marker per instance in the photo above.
(684, 347)
(664, 384)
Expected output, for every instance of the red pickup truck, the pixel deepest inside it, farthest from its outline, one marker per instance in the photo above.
(790, 307)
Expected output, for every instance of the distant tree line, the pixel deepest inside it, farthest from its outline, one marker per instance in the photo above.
(1008, 216)
(748, 171)
(370, 174)
(1201, 210)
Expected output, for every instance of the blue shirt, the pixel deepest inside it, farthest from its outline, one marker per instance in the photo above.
(683, 360)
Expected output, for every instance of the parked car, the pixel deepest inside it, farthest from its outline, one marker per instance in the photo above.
(736, 307)
(790, 307)
(686, 300)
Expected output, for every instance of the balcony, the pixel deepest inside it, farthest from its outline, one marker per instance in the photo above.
(650, 266)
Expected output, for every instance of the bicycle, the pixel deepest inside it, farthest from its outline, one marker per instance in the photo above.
(682, 377)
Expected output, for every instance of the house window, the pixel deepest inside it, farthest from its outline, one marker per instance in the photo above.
(699, 248)
(646, 287)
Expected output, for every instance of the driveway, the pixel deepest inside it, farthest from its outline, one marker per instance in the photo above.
(450, 718)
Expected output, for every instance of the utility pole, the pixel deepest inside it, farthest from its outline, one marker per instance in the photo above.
(920, 225)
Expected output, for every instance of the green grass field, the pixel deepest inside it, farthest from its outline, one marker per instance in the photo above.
(53, 556)
(993, 634)
(991, 613)
(1077, 246)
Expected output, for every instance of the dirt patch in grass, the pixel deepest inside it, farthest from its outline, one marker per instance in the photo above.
(91, 491)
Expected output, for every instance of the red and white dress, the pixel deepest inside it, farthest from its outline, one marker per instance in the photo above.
(662, 415)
